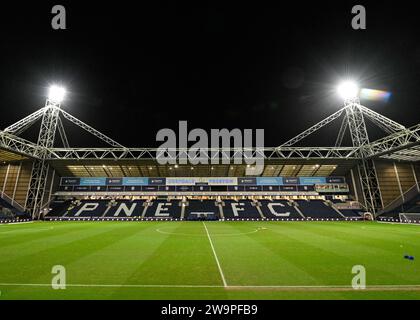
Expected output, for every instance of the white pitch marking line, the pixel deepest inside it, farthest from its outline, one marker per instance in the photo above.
(25, 230)
(115, 285)
(13, 223)
(215, 256)
(396, 286)
(200, 235)
(410, 224)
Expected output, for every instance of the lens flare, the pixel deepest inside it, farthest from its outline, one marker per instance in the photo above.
(375, 95)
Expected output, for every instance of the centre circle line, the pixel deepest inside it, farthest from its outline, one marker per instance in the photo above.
(202, 235)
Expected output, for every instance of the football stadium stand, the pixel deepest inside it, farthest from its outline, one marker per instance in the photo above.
(54, 180)
(202, 209)
(164, 208)
(6, 213)
(10, 213)
(410, 206)
(279, 209)
(133, 208)
(5, 204)
(233, 209)
(406, 211)
(197, 209)
(317, 209)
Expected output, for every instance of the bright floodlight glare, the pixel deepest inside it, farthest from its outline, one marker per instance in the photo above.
(348, 90)
(56, 94)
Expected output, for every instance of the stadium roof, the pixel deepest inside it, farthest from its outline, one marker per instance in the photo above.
(401, 146)
(7, 156)
(151, 169)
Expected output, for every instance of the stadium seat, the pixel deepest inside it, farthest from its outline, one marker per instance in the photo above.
(8, 212)
(241, 209)
(278, 209)
(198, 209)
(58, 208)
(317, 209)
(201, 210)
(161, 209)
(350, 213)
(125, 208)
(410, 206)
(88, 208)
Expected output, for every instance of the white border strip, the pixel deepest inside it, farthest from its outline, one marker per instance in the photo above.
(215, 257)
(331, 287)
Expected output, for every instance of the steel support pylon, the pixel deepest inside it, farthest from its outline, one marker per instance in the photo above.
(366, 167)
(40, 166)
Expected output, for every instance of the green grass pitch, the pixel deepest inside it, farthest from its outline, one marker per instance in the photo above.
(211, 260)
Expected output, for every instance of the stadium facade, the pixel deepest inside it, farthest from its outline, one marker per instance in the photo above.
(376, 176)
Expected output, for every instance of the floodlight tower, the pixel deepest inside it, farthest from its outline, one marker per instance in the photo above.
(349, 91)
(46, 138)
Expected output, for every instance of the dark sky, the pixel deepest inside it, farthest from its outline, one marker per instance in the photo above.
(134, 69)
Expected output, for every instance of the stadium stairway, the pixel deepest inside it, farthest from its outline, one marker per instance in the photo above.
(147, 204)
(220, 207)
(257, 206)
(349, 213)
(346, 213)
(296, 206)
(331, 204)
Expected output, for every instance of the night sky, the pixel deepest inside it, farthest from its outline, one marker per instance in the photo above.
(134, 69)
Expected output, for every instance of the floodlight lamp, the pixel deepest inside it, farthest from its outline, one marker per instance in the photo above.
(56, 94)
(348, 90)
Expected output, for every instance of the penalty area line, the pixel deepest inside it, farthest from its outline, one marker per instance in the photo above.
(215, 256)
